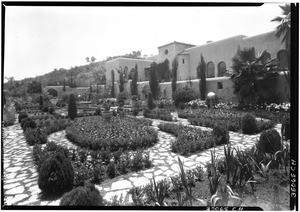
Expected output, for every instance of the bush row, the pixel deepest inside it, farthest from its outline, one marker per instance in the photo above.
(161, 114)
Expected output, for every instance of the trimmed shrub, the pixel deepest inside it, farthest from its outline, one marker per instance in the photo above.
(111, 170)
(135, 111)
(122, 97)
(183, 95)
(72, 109)
(249, 124)
(269, 141)
(35, 136)
(151, 104)
(22, 115)
(286, 128)
(27, 123)
(52, 179)
(220, 134)
(98, 111)
(67, 169)
(146, 112)
(87, 195)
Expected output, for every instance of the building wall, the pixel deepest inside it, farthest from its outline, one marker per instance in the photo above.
(267, 41)
(214, 52)
(183, 71)
(173, 50)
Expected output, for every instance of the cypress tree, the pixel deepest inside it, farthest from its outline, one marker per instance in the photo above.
(174, 74)
(64, 88)
(134, 89)
(202, 83)
(41, 102)
(112, 84)
(151, 104)
(121, 80)
(72, 109)
(153, 80)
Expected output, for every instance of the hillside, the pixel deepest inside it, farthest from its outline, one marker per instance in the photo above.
(79, 76)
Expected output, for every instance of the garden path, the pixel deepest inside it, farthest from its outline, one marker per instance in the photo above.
(20, 175)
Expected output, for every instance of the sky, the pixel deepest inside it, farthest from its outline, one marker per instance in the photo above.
(41, 39)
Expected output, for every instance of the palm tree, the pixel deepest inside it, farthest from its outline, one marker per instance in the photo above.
(284, 27)
(284, 30)
(252, 74)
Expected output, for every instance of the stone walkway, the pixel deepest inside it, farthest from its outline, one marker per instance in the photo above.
(20, 175)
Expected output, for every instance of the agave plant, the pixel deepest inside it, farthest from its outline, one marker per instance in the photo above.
(215, 176)
(185, 183)
(161, 191)
(263, 169)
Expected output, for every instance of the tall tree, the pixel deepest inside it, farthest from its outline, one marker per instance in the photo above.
(201, 70)
(284, 27)
(112, 84)
(133, 85)
(284, 31)
(174, 74)
(64, 87)
(34, 87)
(121, 79)
(153, 80)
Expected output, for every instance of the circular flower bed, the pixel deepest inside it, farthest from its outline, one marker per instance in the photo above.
(127, 133)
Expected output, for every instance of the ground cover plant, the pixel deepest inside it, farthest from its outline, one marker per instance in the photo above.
(189, 139)
(128, 133)
(233, 120)
(162, 114)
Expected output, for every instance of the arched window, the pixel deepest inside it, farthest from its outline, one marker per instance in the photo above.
(210, 70)
(221, 69)
(266, 56)
(283, 58)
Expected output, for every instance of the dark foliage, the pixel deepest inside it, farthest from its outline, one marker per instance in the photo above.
(28, 123)
(220, 134)
(87, 195)
(183, 95)
(22, 115)
(151, 104)
(249, 124)
(269, 141)
(72, 109)
(286, 128)
(54, 175)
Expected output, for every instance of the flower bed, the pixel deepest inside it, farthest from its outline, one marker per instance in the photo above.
(189, 139)
(126, 133)
(229, 118)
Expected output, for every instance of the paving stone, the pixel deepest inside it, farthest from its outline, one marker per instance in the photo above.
(12, 185)
(16, 190)
(121, 184)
